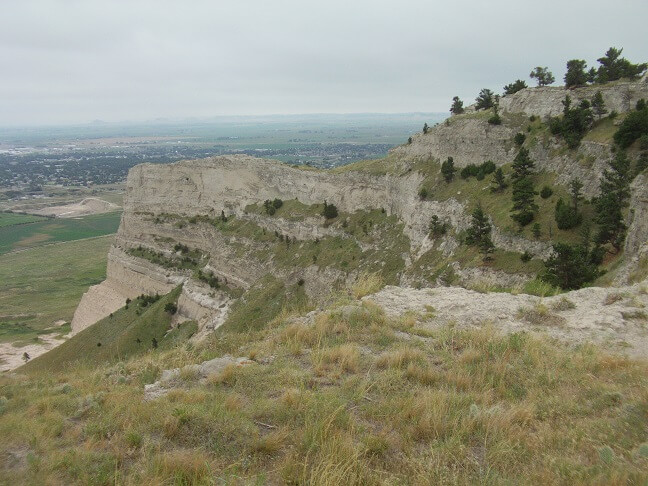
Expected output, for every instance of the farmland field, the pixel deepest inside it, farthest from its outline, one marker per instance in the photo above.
(40, 286)
(10, 219)
(21, 236)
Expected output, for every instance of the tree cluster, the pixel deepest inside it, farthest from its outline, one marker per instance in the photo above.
(574, 123)
(478, 171)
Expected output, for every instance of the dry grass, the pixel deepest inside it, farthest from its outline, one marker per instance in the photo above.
(357, 405)
(539, 315)
(366, 284)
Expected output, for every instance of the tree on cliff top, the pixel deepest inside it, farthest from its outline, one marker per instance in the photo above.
(543, 76)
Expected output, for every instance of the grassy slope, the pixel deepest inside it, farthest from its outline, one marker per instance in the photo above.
(117, 336)
(348, 400)
(40, 286)
(55, 230)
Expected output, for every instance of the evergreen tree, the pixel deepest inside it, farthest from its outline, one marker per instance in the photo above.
(499, 181)
(614, 67)
(536, 230)
(485, 100)
(569, 267)
(26, 356)
(425, 128)
(567, 216)
(633, 126)
(575, 75)
(457, 107)
(448, 169)
(523, 165)
(409, 140)
(615, 194)
(575, 186)
(479, 233)
(543, 76)
(330, 211)
(514, 87)
(524, 206)
(598, 105)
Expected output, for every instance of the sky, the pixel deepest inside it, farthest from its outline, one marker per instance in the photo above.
(75, 61)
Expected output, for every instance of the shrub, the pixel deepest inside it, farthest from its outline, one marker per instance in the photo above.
(330, 211)
(526, 257)
(514, 87)
(277, 203)
(495, 119)
(567, 216)
(423, 193)
(519, 138)
(633, 127)
(170, 307)
(546, 192)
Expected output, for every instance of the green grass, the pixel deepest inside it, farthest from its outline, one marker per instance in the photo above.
(11, 219)
(346, 400)
(498, 205)
(128, 332)
(262, 303)
(56, 230)
(40, 286)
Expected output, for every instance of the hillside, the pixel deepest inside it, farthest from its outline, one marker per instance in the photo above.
(469, 307)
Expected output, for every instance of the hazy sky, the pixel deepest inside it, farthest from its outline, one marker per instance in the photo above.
(78, 60)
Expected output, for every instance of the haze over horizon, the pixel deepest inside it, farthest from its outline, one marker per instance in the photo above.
(77, 61)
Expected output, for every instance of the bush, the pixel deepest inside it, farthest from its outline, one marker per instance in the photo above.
(546, 192)
(423, 193)
(519, 138)
(514, 87)
(526, 257)
(495, 119)
(478, 171)
(277, 203)
(330, 211)
(633, 127)
(523, 218)
(567, 216)
(170, 307)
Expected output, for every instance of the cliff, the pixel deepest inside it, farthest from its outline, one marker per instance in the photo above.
(202, 223)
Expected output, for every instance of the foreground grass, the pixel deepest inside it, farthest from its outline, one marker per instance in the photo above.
(40, 286)
(350, 398)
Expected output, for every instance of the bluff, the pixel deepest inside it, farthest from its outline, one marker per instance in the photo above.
(206, 223)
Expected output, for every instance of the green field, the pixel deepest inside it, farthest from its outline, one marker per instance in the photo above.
(40, 286)
(20, 236)
(11, 219)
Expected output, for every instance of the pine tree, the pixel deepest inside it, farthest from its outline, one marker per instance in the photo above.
(615, 194)
(514, 87)
(524, 206)
(499, 181)
(485, 100)
(543, 76)
(457, 107)
(523, 165)
(425, 128)
(448, 169)
(479, 233)
(575, 75)
(569, 267)
(575, 186)
(598, 105)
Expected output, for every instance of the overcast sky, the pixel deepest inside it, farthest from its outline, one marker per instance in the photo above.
(68, 61)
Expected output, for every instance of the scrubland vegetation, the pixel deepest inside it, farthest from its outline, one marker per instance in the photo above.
(351, 397)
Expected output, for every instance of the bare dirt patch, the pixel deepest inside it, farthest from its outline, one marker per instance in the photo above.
(89, 205)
